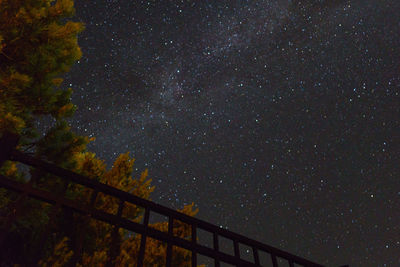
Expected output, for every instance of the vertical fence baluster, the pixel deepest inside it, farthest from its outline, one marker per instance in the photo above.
(169, 245)
(142, 248)
(15, 212)
(216, 248)
(194, 241)
(49, 226)
(256, 256)
(291, 264)
(274, 260)
(236, 249)
(79, 242)
(115, 238)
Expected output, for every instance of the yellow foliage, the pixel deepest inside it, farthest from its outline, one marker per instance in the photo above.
(11, 123)
(1, 42)
(23, 15)
(64, 110)
(61, 255)
(99, 258)
(57, 31)
(9, 169)
(15, 82)
(12, 170)
(87, 164)
(57, 81)
(61, 7)
(189, 210)
(120, 171)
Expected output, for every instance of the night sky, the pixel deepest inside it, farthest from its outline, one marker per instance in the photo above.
(280, 121)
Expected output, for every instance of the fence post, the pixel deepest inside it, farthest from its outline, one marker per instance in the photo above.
(7, 144)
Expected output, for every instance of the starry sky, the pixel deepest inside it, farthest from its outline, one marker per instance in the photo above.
(279, 119)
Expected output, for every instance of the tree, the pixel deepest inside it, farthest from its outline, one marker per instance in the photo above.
(38, 44)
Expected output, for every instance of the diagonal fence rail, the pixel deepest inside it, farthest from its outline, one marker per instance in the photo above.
(26, 190)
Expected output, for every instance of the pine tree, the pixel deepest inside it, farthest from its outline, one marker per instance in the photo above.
(38, 44)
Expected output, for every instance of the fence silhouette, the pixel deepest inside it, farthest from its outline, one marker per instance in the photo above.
(26, 190)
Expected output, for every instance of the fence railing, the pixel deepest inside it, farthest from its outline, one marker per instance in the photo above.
(26, 190)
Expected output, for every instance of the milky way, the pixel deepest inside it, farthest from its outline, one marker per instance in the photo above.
(279, 120)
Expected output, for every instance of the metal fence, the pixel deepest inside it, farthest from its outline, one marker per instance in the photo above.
(26, 190)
